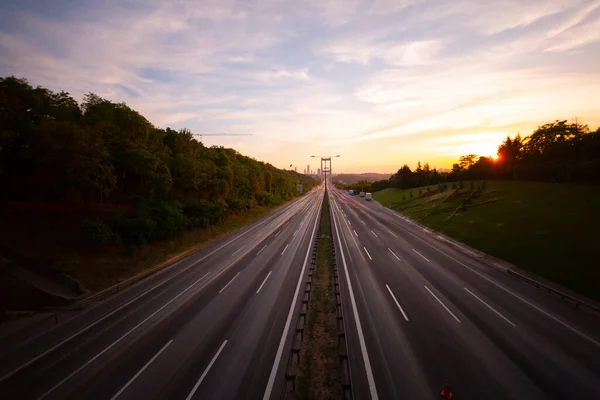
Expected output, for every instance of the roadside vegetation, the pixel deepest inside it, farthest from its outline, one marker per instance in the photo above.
(97, 178)
(547, 228)
(557, 152)
(535, 205)
(320, 371)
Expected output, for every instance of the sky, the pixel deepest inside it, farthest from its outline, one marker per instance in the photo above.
(381, 83)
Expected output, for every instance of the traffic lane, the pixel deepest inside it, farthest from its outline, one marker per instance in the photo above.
(16, 356)
(360, 382)
(193, 339)
(85, 347)
(393, 365)
(470, 268)
(549, 310)
(253, 339)
(452, 349)
(439, 345)
(543, 356)
(505, 290)
(566, 310)
(552, 347)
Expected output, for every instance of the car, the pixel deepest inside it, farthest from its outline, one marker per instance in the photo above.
(368, 196)
(362, 194)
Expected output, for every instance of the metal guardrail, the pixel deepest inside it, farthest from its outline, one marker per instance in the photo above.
(342, 344)
(551, 291)
(293, 366)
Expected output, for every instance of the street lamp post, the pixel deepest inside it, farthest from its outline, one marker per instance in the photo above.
(324, 170)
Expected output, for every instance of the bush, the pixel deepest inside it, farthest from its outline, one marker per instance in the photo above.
(154, 220)
(202, 213)
(168, 217)
(97, 232)
(136, 230)
(237, 205)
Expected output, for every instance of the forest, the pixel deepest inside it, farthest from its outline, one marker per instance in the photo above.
(130, 181)
(559, 152)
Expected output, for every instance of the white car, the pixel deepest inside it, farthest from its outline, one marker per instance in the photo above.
(368, 196)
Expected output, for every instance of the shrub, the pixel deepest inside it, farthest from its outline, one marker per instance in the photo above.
(236, 205)
(168, 217)
(136, 230)
(97, 232)
(202, 213)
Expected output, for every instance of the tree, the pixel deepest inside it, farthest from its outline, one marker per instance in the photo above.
(465, 162)
(509, 153)
(53, 150)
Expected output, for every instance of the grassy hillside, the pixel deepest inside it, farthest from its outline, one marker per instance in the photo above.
(549, 229)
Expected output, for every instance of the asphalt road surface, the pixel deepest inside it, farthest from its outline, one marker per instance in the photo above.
(218, 324)
(418, 311)
(213, 326)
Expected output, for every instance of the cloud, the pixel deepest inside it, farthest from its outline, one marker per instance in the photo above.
(399, 54)
(578, 15)
(383, 81)
(575, 37)
(283, 73)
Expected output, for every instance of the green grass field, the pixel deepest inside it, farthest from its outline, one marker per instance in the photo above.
(552, 230)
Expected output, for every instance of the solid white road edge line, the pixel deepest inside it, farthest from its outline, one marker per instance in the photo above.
(361, 336)
(141, 370)
(286, 329)
(443, 305)
(396, 301)
(262, 284)
(34, 359)
(424, 258)
(51, 349)
(564, 324)
(232, 279)
(91, 360)
(490, 307)
(366, 251)
(206, 371)
(62, 342)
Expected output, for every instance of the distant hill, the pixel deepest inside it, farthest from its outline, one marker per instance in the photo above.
(349, 179)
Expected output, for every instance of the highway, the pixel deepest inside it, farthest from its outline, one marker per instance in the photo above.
(218, 324)
(418, 310)
(215, 325)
